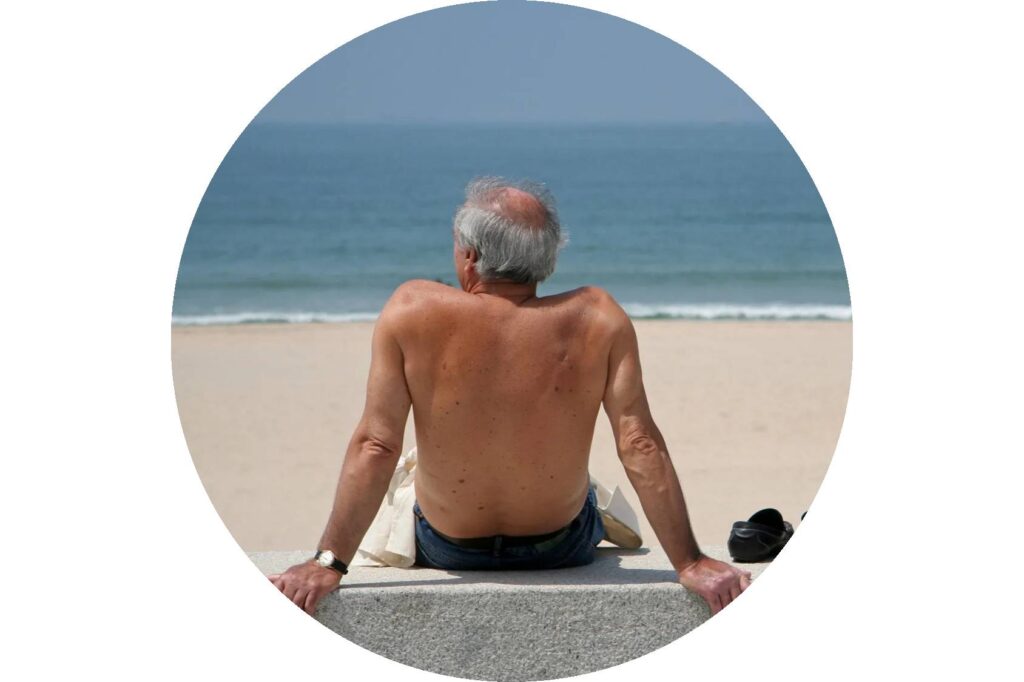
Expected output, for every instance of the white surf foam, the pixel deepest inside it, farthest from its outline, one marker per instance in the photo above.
(270, 317)
(730, 311)
(642, 311)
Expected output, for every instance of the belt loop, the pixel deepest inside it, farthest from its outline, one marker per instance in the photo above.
(497, 545)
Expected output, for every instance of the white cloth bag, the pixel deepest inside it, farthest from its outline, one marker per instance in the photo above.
(391, 539)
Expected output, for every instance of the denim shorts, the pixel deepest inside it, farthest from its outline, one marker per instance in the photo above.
(573, 548)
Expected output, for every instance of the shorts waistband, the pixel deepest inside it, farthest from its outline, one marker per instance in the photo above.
(497, 541)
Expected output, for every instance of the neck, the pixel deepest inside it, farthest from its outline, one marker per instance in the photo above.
(512, 291)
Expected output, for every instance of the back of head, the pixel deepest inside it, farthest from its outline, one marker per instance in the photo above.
(514, 228)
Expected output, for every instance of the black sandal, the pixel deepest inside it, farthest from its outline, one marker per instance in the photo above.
(761, 538)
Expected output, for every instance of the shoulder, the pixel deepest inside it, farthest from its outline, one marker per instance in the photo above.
(606, 322)
(419, 292)
(415, 299)
(602, 307)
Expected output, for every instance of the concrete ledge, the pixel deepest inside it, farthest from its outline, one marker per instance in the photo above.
(522, 625)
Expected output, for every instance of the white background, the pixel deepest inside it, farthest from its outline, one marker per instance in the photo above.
(115, 117)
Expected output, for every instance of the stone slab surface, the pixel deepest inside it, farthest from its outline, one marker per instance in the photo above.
(512, 625)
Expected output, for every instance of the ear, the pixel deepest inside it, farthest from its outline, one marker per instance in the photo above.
(469, 266)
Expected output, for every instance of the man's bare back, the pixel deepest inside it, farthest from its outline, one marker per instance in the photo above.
(505, 388)
(505, 396)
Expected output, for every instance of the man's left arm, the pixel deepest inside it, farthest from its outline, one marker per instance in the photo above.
(366, 473)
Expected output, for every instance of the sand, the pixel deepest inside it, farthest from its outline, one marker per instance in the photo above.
(751, 412)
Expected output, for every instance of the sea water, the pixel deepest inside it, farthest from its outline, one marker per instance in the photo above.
(321, 222)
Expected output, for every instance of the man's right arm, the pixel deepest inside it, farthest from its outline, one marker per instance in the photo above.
(645, 457)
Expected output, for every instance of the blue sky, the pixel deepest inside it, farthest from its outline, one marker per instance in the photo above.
(512, 61)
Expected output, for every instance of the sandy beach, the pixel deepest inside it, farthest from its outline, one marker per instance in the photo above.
(750, 410)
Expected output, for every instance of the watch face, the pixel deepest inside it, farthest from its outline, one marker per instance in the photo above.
(326, 558)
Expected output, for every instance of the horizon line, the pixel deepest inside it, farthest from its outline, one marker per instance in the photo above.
(554, 123)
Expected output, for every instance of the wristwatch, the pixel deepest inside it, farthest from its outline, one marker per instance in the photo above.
(325, 558)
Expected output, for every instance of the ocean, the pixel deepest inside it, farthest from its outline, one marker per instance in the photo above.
(306, 222)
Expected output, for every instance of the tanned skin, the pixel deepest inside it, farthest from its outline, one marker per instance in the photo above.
(505, 390)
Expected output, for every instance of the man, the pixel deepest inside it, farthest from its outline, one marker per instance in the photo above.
(505, 389)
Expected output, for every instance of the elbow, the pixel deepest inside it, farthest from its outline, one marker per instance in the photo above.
(640, 439)
(373, 449)
(643, 455)
(641, 445)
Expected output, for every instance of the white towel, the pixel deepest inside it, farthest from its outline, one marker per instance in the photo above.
(391, 539)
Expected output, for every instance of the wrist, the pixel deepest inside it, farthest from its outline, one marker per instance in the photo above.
(325, 558)
(689, 563)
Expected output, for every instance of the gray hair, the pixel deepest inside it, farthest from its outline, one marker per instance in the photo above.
(508, 248)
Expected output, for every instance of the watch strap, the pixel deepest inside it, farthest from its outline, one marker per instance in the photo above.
(338, 565)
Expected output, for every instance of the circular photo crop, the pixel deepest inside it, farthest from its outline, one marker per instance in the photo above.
(511, 341)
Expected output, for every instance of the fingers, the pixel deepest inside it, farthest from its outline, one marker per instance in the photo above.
(715, 602)
(303, 593)
(726, 593)
(735, 587)
(311, 601)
